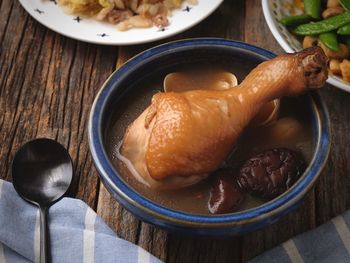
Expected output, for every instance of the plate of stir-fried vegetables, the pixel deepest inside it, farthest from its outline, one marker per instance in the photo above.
(298, 24)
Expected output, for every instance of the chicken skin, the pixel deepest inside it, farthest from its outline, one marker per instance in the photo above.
(184, 136)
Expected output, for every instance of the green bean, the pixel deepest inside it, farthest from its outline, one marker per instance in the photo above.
(291, 21)
(329, 39)
(313, 8)
(323, 26)
(345, 4)
(344, 30)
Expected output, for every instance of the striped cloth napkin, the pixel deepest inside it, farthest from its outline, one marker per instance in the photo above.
(329, 243)
(77, 234)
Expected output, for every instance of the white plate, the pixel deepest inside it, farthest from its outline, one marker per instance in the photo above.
(50, 15)
(273, 11)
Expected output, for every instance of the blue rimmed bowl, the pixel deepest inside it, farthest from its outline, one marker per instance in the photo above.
(167, 58)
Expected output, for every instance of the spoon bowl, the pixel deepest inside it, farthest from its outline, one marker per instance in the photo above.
(42, 171)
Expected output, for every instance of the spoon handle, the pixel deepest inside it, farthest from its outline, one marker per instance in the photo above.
(44, 256)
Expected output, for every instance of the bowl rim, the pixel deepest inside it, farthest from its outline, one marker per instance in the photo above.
(272, 24)
(110, 176)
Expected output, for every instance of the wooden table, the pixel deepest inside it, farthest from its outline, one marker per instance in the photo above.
(48, 83)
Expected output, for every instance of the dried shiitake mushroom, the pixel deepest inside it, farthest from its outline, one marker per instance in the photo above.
(271, 173)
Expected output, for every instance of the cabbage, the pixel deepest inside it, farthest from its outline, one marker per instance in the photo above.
(78, 2)
(82, 7)
(177, 3)
(104, 3)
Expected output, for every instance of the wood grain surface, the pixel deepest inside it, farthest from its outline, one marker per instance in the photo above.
(48, 83)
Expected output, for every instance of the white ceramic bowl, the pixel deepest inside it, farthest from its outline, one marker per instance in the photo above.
(273, 11)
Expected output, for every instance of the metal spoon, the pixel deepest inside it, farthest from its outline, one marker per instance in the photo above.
(42, 171)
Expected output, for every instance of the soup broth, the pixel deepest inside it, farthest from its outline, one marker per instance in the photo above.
(194, 199)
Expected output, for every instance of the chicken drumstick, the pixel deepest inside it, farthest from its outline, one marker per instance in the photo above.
(182, 137)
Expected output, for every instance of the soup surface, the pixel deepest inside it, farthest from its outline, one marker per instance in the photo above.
(194, 199)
